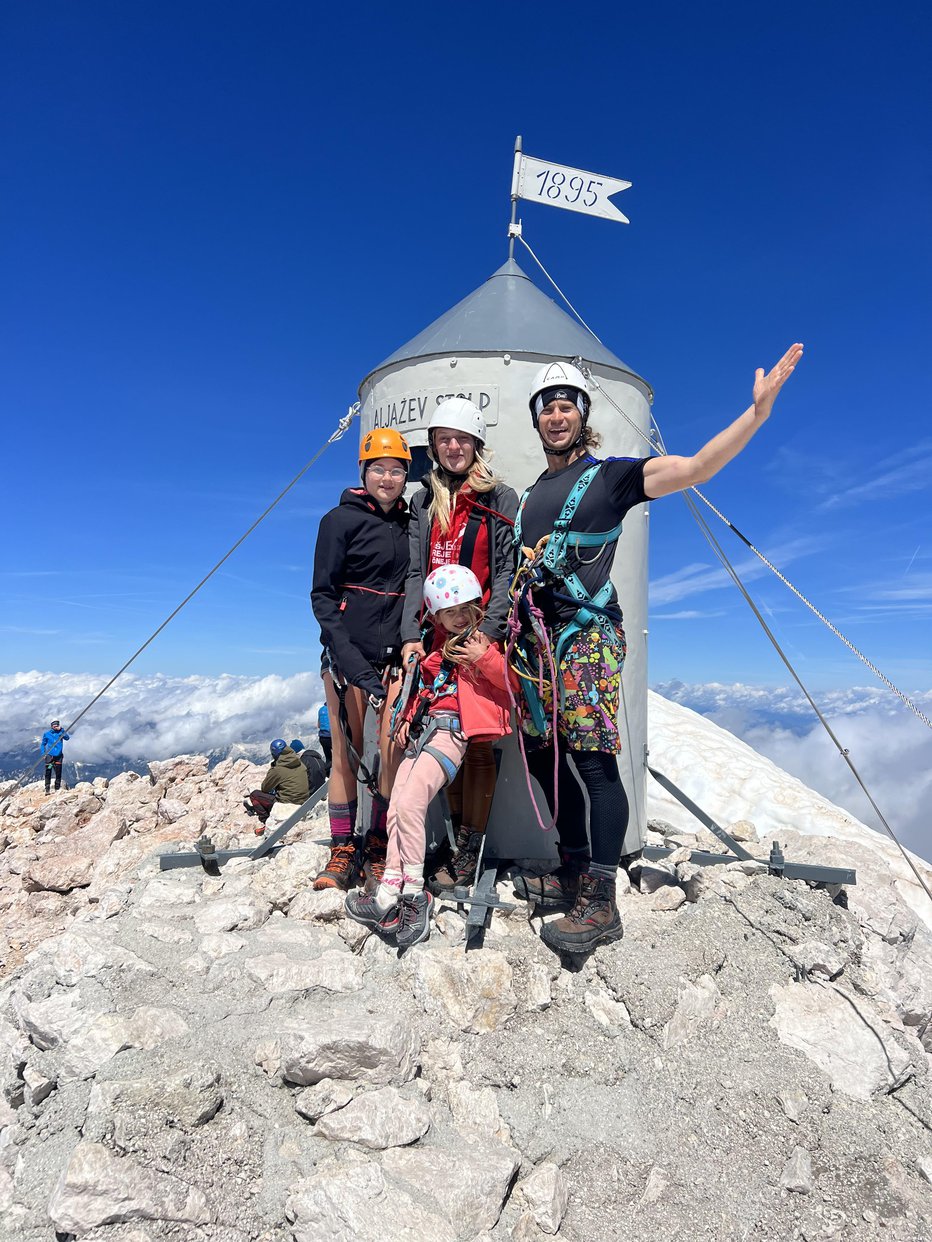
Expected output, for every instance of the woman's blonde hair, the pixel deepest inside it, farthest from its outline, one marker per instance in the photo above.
(480, 477)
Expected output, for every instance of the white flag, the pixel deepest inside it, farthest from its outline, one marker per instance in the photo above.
(571, 188)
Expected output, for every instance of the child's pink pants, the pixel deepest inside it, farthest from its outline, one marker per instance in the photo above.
(418, 781)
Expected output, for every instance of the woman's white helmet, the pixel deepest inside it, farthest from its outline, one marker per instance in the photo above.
(567, 380)
(459, 414)
(449, 586)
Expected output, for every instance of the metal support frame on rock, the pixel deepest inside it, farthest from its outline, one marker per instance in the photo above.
(776, 863)
(212, 859)
(482, 899)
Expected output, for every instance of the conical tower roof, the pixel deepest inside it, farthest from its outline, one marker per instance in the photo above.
(508, 313)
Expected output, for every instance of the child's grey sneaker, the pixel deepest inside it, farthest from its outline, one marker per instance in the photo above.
(361, 907)
(413, 919)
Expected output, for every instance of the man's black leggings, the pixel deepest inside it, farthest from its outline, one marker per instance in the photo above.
(608, 802)
(53, 761)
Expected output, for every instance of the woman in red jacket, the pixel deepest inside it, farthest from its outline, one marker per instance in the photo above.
(463, 699)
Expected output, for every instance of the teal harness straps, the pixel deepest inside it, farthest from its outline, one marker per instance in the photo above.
(592, 609)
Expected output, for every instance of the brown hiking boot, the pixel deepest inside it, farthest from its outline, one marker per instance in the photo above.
(461, 869)
(373, 860)
(593, 920)
(340, 871)
(558, 888)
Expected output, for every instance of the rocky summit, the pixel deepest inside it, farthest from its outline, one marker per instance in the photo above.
(227, 1057)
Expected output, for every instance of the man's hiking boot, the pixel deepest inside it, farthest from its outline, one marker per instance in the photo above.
(461, 869)
(558, 888)
(413, 919)
(340, 871)
(361, 906)
(593, 920)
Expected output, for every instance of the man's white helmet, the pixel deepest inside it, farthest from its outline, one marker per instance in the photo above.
(459, 414)
(560, 375)
(449, 586)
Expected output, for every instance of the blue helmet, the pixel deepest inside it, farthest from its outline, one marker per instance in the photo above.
(277, 747)
(297, 746)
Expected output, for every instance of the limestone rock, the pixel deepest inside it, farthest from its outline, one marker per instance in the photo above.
(164, 894)
(539, 991)
(667, 898)
(611, 1015)
(354, 1202)
(743, 830)
(220, 944)
(36, 1086)
(377, 1051)
(147, 1027)
(287, 878)
(797, 1172)
(816, 958)
(170, 810)
(792, 1102)
(179, 768)
(658, 1182)
(334, 972)
(54, 1021)
(187, 1099)
(324, 1097)
(88, 955)
(468, 1185)
(695, 1003)
(241, 913)
(844, 1037)
(546, 1195)
(475, 1112)
(377, 1119)
(98, 1188)
(325, 906)
(475, 990)
(654, 875)
(442, 1059)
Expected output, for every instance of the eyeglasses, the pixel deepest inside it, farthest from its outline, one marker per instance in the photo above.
(394, 472)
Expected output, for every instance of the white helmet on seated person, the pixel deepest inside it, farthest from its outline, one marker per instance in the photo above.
(458, 414)
(556, 380)
(449, 586)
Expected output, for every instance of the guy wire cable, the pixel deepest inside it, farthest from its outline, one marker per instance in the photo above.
(342, 427)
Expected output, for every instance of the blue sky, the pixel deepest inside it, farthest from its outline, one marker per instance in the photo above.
(219, 217)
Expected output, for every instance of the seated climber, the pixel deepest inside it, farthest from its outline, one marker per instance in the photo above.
(315, 763)
(463, 697)
(285, 781)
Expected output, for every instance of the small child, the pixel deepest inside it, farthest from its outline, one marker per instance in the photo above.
(463, 696)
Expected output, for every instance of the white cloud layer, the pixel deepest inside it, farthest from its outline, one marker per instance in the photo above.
(889, 746)
(156, 717)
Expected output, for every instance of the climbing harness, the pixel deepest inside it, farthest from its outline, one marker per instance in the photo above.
(360, 770)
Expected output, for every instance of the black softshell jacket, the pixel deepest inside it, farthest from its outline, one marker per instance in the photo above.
(360, 566)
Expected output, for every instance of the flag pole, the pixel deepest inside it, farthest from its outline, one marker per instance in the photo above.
(514, 199)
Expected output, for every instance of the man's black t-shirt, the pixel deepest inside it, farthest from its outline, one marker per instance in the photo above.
(617, 487)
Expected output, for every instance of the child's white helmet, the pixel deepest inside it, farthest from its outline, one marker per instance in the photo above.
(449, 586)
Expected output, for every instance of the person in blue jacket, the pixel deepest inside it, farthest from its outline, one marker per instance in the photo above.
(323, 734)
(52, 750)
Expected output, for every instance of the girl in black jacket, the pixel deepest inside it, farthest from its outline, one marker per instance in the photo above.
(360, 565)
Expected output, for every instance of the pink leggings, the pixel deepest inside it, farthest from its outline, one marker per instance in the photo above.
(418, 781)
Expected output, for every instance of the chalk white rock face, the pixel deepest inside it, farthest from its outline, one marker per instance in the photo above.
(290, 874)
(442, 1058)
(243, 913)
(475, 1112)
(324, 1097)
(797, 1173)
(170, 810)
(539, 990)
(841, 1034)
(610, 1014)
(83, 955)
(355, 1203)
(333, 971)
(188, 1098)
(373, 1050)
(147, 1027)
(325, 906)
(546, 1196)
(98, 1188)
(168, 894)
(220, 944)
(179, 768)
(475, 992)
(667, 898)
(378, 1119)
(469, 1185)
(57, 1020)
(695, 1003)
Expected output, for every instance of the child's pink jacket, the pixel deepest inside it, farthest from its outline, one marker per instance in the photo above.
(481, 694)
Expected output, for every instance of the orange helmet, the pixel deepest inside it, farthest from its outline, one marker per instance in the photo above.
(383, 442)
